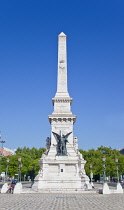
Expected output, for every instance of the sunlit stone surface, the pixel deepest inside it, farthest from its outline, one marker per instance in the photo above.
(61, 172)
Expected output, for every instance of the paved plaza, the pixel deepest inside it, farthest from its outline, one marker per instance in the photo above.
(61, 201)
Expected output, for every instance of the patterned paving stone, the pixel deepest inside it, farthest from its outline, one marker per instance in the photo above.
(61, 202)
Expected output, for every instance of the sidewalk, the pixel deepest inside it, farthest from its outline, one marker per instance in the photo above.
(61, 202)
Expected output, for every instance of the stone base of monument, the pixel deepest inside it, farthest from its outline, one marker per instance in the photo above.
(60, 191)
(92, 185)
(64, 184)
(105, 189)
(4, 188)
(89, 186)
(61, 174)
(17, 188)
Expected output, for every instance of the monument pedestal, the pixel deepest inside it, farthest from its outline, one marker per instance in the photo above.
(61, 173)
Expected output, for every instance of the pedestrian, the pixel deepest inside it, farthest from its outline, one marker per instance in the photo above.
(11, 188)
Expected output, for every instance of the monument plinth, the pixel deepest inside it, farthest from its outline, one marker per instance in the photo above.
(62, 165)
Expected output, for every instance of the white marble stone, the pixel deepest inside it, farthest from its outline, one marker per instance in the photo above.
(61, 172)
(105, 189)
(119, 188)
(4, 188)
(89, 186)
(17, 188)
(62, 67)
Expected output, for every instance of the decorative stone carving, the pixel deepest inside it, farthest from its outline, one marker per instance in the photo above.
(75, 144)
(48, 143)
(62, 68)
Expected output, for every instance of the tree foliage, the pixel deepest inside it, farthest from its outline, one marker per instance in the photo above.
(29, 161)
(94, 157)
(34, 153)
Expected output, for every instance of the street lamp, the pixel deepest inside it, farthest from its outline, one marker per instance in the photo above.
(104, 168)
(19, 168)
(7, 162)
(33, 166)
(91, 173)
(0, 163)
(20, 172)
(1, 152)
(116, 161)
(1, 142)
(2, 146)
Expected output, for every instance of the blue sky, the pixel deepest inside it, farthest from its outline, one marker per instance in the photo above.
(28, 69)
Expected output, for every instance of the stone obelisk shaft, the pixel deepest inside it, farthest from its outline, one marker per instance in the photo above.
(62, 119)
(62, 89)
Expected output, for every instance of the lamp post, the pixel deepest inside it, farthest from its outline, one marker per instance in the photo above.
(33, 166)
(7, 162)
(119, 187)
(0, 163)
(116, 161)
(104, 168)
(19, 168)
(91, 173)
(20, 172)
(1, 152)
(1, 142)
(2, 146)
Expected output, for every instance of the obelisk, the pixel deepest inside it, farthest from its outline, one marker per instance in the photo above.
(62, 119)
(62, 89)
(61, 170)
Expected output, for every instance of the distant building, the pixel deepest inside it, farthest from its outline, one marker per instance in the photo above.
(121, 151)
(6, 151)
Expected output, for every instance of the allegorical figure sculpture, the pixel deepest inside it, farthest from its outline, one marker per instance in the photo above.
(61, 143)
(48, 143)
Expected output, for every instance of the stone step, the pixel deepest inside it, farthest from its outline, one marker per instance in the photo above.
(73, 191)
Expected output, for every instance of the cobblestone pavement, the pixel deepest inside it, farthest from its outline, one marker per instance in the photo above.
(61, 201)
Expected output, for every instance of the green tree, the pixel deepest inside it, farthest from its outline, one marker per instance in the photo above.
(34, 167)
(13, 164)
(33, 152)
(94, 157)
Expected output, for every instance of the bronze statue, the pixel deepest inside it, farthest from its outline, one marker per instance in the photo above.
(61, 143)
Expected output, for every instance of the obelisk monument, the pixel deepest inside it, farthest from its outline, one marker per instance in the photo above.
(62, 118)
(62, 165)
(62, 89)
